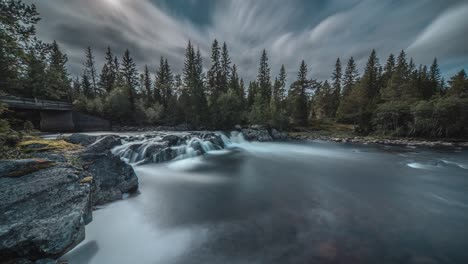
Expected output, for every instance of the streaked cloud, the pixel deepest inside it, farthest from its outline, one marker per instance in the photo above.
(317, 31)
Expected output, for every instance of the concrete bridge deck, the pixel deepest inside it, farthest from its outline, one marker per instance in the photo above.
(56, 116)
(28, 103)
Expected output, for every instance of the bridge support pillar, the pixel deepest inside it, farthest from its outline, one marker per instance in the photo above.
(57, 121)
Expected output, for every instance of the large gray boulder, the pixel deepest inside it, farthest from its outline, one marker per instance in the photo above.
(112, 177)
(43, 214)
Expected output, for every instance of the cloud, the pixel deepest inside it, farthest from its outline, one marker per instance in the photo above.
(317, 31)
(446, 36)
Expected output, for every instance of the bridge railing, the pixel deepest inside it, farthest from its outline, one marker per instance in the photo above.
(29, 103)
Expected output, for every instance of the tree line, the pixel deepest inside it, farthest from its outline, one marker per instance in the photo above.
(399, 98)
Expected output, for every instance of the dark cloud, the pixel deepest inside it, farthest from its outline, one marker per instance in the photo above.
(317, 31)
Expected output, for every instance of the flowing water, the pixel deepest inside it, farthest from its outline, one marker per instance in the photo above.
(313, 202)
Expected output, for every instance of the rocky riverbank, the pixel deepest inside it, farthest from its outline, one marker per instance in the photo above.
(403, 142)
(47, 200)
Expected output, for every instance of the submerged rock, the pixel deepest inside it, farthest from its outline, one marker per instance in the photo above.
(43, 214)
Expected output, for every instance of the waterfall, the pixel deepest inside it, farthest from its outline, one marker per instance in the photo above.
(156, 149)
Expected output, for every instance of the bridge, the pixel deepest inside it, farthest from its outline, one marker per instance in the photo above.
(56, 116)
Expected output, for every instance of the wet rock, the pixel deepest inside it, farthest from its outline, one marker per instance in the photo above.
(112, 177)
(173, 140)
(165, 155)
(81, 139)
(43, 214)
(261, 135)
(18, 168)
(104, 144)
(276, 135)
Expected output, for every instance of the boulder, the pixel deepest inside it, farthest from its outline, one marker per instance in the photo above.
(261, 135)
(172, 140)
(81, 139)
(18, 168)
(112, 177)
(43, 214)
(104, 145)
(276, 135)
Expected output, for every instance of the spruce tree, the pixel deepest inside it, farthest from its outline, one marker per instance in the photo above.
(434, 77)
(90, 70)
(108, 74)
(58, 83)
(263, 77)
(130, 77)
(298, 96)
(225, 68)
(337, 79)
(214, 72)
(350, 77)
(147, 86)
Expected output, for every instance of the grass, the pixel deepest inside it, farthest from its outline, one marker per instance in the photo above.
(38, 145)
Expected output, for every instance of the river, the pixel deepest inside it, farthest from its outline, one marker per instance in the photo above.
(315, 202)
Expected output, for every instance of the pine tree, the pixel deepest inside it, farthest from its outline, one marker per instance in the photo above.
(263, 77)
(225, 68)
(58, 83)
(90, 70)
(350, 77)
(252, 92)
(130, 77)
(214, 72)
(147, 85)
(108, 74)
(194, 112)
(35, 83)
(434, 77)
(298, 96)
(458, 85)
(337, 79)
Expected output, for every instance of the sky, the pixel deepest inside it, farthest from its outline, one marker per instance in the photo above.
(317, 31)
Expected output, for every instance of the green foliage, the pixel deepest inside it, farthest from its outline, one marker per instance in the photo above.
(392, 118)
(442, 117)
(4, 126)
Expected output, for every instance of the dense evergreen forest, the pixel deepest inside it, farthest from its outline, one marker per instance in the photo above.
(398, 97)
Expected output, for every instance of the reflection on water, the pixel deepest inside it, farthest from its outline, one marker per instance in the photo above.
(290, 203)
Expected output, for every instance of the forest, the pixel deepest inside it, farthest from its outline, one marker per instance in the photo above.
(395, 97)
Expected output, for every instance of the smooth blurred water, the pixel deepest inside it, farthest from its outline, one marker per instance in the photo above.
(290, 203)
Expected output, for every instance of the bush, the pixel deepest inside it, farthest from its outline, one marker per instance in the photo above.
(392, 118)
(442, 117)
(451, 117)
(28, 126)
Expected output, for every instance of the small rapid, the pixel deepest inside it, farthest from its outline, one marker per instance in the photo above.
(161, 148)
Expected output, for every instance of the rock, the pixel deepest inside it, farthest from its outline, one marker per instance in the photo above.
(82, 139)
(43, 214)
(276, 135)
(173, 140)
(238, 127)
(104, 144)
(165, 155)
(112, 177)
(18, 168)
(261, 135)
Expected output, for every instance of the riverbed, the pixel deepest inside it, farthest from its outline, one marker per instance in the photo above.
(303, 202)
